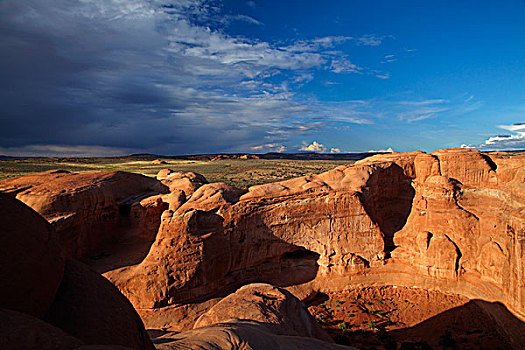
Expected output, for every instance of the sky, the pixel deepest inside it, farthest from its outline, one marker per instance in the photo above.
(114, 77)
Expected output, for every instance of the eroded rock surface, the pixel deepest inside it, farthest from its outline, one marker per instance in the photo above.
(48, 302)
(276, 308)
(89, 308)
(31, 265)
(87, 210)
(177, 180)
(450, 220)
(237, 335)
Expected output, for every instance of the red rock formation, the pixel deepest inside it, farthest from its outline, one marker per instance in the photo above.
(284, 233)
(89, 308)
(31, 266)
(177, 180)
(158, 162)
(87, 210)
(450, 220)
(276, 308)
(464, 229)
(80, 306)
(237, 335)
(21, 331)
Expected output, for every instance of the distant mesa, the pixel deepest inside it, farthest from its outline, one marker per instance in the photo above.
(272, 155)
(235, 156)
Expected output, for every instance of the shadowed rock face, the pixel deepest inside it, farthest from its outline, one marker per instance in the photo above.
(450, 220)
(276, 308)
(31, 266)
(489, 325)
(88, 307)
(22, 331)
(87, 210)
(239, 335)
(48, 302)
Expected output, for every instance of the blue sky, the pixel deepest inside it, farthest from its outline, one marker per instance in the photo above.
(106, 77)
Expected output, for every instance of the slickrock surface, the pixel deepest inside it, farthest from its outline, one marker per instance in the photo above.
(88, 307)
(452, 221)
(276, 308)
(21, 331)
(31, 266)
(48, 302)
(176, 180)
(256, 316)
(447, 221)
(239, 335)
(88, 210)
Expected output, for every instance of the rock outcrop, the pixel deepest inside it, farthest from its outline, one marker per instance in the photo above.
(31, 265)
(22, 331)
(466, 228)
(239, 335)
(274, 307)
(450, 220)
(256, 316)
(89, 308)
(49, 302)
(177, 180)
(87, 210)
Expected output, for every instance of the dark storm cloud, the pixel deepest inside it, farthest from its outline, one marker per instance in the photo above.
(124, 76)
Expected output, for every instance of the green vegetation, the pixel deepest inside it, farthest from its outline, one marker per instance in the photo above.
(238, 172)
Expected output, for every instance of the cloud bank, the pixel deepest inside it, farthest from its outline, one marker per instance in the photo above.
(151, 76)
(504, 142)
(318, 148)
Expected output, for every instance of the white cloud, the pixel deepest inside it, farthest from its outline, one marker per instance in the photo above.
(388, 150)
(373, 40)
(415, 111)
(243, 18)
(318, 148)
(313, 147)
(304, 78)
(516, 127)
(342, 65)
(269, 147)
(514, 141)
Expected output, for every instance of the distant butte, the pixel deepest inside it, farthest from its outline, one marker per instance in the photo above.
(226, 266)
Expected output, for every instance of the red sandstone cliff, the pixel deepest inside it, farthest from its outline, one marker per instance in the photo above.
(452, 220)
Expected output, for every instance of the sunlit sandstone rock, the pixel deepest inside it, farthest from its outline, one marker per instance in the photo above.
(452, 220)
(87, 210)
(445, 220)
(276, 308)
